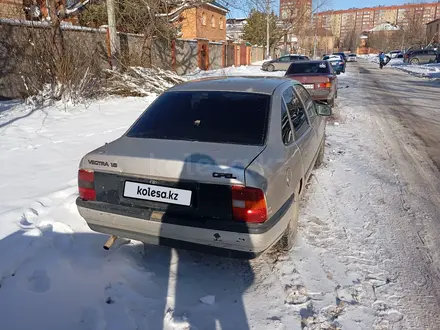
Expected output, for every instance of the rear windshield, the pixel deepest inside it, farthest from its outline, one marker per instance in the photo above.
(352, 55)
(222, 117)
(313, 67)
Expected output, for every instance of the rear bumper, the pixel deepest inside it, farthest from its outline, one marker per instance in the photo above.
(338, 68)
(208, 239)
(321, 95)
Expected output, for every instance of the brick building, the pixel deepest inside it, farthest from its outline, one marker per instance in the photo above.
(358, 20)
(12, 9)
(433, 31)
(207, 21)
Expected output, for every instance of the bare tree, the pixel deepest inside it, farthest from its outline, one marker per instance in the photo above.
(413, 31)
(301, 21)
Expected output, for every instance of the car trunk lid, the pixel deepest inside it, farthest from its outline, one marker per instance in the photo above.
(184, 177)
(313, 81)
(174, 160)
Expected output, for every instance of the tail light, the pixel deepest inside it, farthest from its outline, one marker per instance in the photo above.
(341, 63)
(86, 185)
(248, 204)
(325, 85)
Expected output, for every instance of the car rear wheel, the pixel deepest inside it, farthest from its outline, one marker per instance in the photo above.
(331, 102)
(415, 61)
(270, 68)
(287, 241)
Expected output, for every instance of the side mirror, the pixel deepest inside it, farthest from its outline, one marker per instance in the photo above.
(323, 109)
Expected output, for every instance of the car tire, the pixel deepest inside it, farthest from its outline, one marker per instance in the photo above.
(415, 61)
(321, 153)
(270, 68)
(331, 102)
(287, 241)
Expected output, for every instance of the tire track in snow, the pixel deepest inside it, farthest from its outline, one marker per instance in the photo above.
(371, 271)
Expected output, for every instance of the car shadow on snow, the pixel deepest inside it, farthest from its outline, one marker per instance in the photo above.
(205, 291)
(68, 281)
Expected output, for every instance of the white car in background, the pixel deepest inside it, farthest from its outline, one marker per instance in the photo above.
(352, 58)
(395, 54)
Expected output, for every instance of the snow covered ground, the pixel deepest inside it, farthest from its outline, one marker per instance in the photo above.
(431, 70)
(345, 271)
(253, 70)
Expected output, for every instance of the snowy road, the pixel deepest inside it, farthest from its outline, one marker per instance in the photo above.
(366, 257)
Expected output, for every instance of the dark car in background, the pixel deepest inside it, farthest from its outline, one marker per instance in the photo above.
(318, 77)
(342, 54)
(282, 63)
(421, 56)
(336, 62)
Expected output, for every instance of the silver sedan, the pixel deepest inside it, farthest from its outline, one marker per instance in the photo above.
(217, 165)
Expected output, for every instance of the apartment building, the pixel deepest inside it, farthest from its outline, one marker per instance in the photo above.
(358, 20)
(296, 11)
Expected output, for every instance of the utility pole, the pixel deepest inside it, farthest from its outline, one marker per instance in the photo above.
(267, 29)
(314, 43)
(112, 35)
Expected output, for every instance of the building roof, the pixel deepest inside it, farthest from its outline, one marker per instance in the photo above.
(394, 7)
(260, 85)
(236, 20)
(218, 6)
(434, 21)
(385, 27)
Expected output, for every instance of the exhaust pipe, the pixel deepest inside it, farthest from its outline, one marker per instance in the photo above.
(110, 242)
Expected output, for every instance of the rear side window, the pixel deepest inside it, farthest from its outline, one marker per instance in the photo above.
(308, 67)
(212, 116)
(296, 111)
(308, 102)
(286, 129)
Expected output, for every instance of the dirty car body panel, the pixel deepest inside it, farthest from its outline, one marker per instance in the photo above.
(210, 165)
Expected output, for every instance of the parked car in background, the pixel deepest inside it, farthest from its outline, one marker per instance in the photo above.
(421, 56)
(282, 63)
(395, 54)
(337, 63)
(318, 77)
(352, 58)
(202, 180)
(342, 54)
